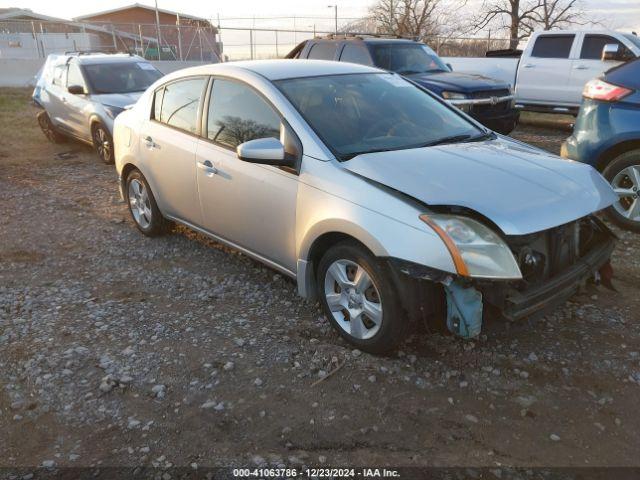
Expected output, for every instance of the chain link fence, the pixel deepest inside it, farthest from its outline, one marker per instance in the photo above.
(201, 41)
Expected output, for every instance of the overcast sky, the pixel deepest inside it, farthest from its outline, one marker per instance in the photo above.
(619, 14)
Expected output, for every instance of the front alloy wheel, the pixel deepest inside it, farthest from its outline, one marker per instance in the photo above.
(103, 144)
(624, 174)
(353, 299)
(359, 299)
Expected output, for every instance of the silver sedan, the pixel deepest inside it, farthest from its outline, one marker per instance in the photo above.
(383, 202)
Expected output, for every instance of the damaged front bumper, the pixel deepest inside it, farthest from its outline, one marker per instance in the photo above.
(465, 302)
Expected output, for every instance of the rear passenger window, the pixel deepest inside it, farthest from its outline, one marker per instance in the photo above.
(177, 105)
(553, 46)
(593, 44)
(355, 54)
(238, 114)
(323, 51)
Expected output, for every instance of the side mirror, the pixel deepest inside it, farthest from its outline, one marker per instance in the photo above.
(611, 52)
(267, 151)
(76, 89)
(450, 66)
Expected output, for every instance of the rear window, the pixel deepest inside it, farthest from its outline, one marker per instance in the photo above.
(322, 51)
(553, 46)
(178, 102)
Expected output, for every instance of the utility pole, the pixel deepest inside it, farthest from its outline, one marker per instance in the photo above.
(335, 9)
(179, 36)
(158, 28)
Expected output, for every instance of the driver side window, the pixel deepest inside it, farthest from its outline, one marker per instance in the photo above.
(238, 114)
(60, 75)
(74, 76)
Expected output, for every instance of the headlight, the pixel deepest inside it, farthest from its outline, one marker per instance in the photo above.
(453, 96)
(476, 251)
(113, 112)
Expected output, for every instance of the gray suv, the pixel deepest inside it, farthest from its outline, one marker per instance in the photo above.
(82, 93)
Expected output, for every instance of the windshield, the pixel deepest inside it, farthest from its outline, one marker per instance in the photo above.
(363, 113)
(123, 77)
(635, 40)
(407, 58)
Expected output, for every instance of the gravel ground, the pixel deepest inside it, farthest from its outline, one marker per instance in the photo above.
(120, 350)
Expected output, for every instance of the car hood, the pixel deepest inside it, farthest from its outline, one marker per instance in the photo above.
(120, 100)
(457, 81)
(521, 189)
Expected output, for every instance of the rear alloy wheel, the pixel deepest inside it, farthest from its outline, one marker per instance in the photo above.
(49, 130)
(624, 175)
(103, 144)
(359, 299)
(143, 207)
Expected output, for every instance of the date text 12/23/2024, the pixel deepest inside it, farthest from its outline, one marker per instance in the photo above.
(315, 473)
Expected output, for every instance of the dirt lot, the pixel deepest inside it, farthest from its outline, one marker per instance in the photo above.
(117, 349)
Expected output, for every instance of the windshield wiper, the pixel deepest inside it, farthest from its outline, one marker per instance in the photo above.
(349, 156)
(488, 135)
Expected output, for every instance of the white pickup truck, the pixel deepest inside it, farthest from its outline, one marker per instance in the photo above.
(554, 66)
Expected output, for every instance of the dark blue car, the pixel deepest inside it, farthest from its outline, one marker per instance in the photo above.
(607, 136)
(489, 101)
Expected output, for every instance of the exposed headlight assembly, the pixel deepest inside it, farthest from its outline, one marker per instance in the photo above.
(453, 96)
(476, 251)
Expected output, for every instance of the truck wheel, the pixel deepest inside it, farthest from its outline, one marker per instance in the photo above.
(359, 299)
(623, 172)
(49, 130)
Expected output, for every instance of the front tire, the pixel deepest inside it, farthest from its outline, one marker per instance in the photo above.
(102, 143)
(359, 299)
(623, 173)
(143, 207)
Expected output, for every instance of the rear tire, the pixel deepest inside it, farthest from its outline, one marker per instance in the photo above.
(143, 207)
(359, 299)
(49, 130)
(623, 173)
(102, 143)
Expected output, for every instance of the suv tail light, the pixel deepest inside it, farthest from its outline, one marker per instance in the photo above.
(601, 90)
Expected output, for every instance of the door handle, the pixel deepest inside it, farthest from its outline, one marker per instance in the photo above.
(150, 143)
(208, 168)
(581, 67)
(528, 65)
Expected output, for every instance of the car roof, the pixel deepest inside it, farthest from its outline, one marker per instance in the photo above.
(102, 58)
(364, 39)
(282, 69)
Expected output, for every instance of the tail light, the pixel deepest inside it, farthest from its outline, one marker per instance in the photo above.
(601, 90)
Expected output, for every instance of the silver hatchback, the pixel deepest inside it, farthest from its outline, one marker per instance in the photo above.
(82, 93)
(382, 201)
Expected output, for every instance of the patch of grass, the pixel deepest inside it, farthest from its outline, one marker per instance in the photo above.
(12, 100)
(21, 140)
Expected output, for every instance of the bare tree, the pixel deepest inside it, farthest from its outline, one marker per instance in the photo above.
(558, 14)
(520, 16)
(416, 18)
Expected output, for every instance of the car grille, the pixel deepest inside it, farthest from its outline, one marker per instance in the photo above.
(501, 107)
